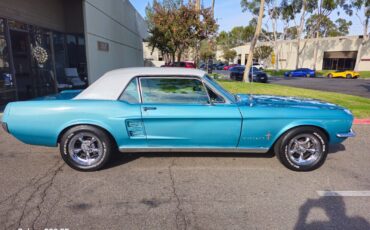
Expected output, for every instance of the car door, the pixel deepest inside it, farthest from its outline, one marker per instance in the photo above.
(297, 73)
(130, 106)
(177, 113)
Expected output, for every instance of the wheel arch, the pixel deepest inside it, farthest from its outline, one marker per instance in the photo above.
(288, 129)
(98, 126)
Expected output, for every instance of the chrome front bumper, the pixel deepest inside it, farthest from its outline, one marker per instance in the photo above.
(345, 135)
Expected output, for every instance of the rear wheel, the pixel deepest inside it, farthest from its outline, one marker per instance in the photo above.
(330, 75)
(302, 149)
(348, 76)
(86, 148)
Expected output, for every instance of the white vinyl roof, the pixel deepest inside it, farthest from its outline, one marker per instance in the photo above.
(111, 84)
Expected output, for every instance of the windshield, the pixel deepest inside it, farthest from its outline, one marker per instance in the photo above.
(225, 93)
(254, 69)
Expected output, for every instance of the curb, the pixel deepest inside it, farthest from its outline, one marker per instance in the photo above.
(361, 121)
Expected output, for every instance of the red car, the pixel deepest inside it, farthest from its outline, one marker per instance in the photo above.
(229, 66)
(183, 64)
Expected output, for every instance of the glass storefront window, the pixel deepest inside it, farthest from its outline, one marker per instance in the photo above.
(42, 61)
(16, 25)
(7, 86)
(60, 57)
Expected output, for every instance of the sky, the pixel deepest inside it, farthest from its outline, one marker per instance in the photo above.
(229, 14)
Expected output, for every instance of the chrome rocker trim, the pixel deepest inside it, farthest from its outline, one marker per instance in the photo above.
(198, 150)
(345, 135)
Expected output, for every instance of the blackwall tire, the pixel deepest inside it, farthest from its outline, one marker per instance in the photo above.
(294, 154)
(86, 148)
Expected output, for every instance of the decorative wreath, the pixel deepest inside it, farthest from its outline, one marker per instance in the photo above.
(40, 54)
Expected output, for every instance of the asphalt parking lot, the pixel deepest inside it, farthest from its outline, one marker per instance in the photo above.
(182, 191)
(357, 87)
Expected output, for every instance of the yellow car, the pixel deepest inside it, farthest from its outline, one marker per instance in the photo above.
(344, 74)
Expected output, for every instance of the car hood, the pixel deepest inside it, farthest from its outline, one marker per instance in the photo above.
(280, 101)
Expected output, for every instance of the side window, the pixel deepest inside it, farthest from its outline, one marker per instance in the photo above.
(215, 98)
(131, 95)
(173, 91)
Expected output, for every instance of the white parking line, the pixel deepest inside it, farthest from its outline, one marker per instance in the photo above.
(343, 193)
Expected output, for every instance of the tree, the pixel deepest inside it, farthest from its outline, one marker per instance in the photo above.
(327, 27)
(291, 33)
(207, 50)
(253, 6)
(357, 6)
(237, 36)
(175, 27)
(291, 10)
(322, 10)
(213, 8)
(229, 54)
(263, 52)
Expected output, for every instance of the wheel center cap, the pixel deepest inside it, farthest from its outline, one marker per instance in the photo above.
(301, 149)
(86, 146)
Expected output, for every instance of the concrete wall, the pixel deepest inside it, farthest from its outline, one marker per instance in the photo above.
(117, 24)
(287, 52)
(44, 13)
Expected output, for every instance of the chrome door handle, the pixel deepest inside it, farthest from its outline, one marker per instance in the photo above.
(149, 108)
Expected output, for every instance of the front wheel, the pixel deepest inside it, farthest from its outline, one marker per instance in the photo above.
(86, 148)
(348, 76)
(302, 149)
(330, 75)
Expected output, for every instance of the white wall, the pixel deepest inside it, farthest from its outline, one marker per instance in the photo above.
(287, 52)
(117, 23)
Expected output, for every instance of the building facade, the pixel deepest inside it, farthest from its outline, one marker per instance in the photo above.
(48, 46)
(334, 53)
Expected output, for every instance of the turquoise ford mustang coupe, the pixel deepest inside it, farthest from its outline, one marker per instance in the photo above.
(175, 109)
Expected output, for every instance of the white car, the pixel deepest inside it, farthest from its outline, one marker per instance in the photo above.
(258, 66)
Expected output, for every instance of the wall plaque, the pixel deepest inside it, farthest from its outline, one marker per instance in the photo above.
(103, 46)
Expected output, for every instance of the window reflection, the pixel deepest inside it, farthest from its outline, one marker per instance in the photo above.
(173, 90)
(7, 87)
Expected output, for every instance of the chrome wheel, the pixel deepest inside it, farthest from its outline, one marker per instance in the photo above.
(304, 149)
(85, 149)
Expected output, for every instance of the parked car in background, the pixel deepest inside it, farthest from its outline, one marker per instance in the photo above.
(183, 64)
(258, 66)
(237, 73)
(302, 72)
(227, 67)
(114, 114)
(202, 66)
(220, 66)
(349, 74)
(167, 65)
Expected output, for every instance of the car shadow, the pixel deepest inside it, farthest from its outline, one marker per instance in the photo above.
(336, 148)
(335, 210)
(119, 158)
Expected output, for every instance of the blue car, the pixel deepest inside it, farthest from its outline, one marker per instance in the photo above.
(176, 109)
(302, 72)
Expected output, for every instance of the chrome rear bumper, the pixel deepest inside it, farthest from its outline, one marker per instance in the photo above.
(345, 135)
